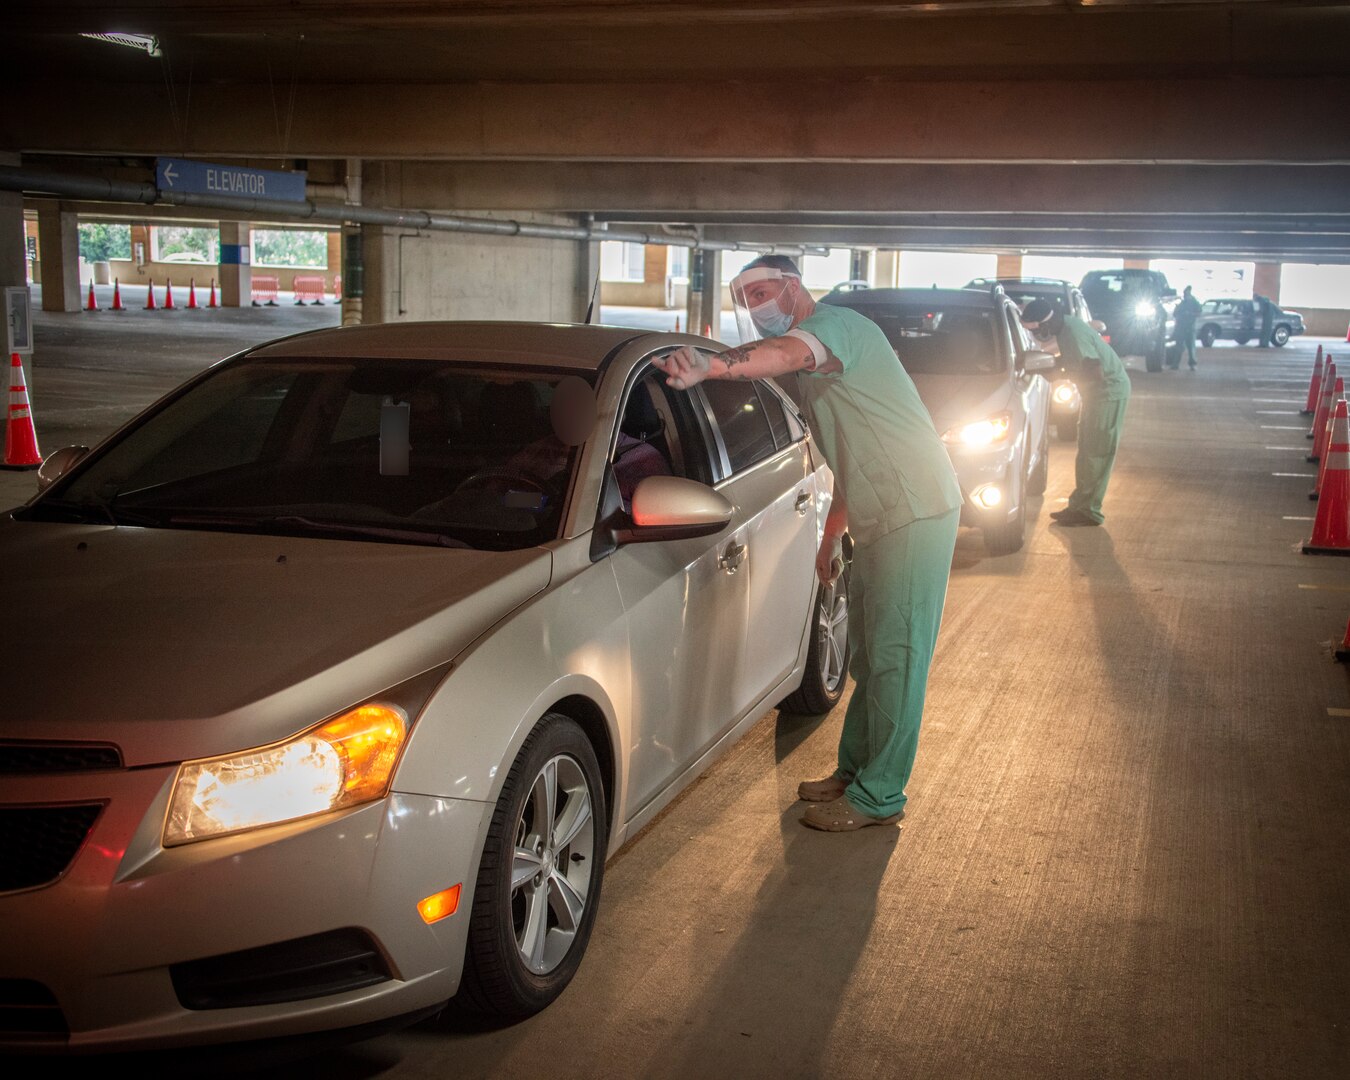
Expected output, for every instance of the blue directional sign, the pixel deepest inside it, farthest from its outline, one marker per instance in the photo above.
(204, 178)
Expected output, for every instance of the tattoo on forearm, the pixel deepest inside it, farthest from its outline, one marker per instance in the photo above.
(739, 355)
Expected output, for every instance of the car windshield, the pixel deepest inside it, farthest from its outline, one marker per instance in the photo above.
(1108, 287)
(402, 451)
(932, 340)
(1021, 295)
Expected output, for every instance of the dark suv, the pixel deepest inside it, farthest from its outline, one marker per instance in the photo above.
(1137, 307)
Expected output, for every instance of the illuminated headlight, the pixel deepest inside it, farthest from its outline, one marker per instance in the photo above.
(340, 763)
(988, 496)
(1064, 393)
(981, 433)
(1144, 309)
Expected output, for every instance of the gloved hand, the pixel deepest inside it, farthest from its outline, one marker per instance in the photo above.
(684, 368)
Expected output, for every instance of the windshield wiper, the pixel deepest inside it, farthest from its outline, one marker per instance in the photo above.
(382, 532)
(95, 511)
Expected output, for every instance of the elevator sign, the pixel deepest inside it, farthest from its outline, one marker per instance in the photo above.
(204, 178)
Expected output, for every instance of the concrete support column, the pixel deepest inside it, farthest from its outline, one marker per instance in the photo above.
(587, 289)
(13, 261)
(236, 271)
(1266, 280)
(860, 265)
(59, 251)
(710, 300)
(886, 269)
(1008, 266)
(1136, 264)
(352, 265)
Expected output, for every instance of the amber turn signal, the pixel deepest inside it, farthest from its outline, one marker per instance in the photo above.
(439, 906)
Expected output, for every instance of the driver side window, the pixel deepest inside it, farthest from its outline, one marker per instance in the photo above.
(658, 436)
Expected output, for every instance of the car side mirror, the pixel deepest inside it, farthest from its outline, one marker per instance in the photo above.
(57, 464)
(673, 508)
(1036, 360)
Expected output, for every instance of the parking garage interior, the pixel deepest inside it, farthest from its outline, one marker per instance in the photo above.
(1124, 854)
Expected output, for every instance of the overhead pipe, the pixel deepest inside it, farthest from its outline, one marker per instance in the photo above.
(35, 182)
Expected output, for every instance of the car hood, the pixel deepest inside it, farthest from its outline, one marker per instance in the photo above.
(962, 399)
(179, 644)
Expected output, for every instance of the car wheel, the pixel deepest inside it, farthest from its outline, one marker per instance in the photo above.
(1040, 475)
(1208, 336)
(539, 877)
(827, 655)
(1007, 538)
(1153, 359)
(1066, 429)
(1242, 340)
(1280, 336)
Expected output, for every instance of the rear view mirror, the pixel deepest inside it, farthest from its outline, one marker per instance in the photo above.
(58, 464)
(1036, 360)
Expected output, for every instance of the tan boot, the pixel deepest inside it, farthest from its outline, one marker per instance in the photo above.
(827, 790)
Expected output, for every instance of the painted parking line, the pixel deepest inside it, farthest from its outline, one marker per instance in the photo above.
(1299, 449)
(1296, 517)
(1276, 412)
(1283, 427)
(1274, 401)
(1305, 475)
(1338, 712)
(1326, 588)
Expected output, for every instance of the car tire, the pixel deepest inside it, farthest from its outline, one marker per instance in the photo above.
(1039, 477)
(1279, 337)
(1153, 359)
(1066, 429)
(520, 957)
(1009, 537)
(1242, 340)
(827, 655)
(1208, 336)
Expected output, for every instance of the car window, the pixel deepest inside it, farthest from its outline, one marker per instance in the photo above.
(942, 340)
(777, 416)
(412, 451)
(658, 435)
(742, 420)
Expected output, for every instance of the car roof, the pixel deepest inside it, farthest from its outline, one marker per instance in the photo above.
(979, 283)
(917, 297)
(553, 345)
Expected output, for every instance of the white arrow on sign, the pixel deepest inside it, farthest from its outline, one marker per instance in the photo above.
(169, 174)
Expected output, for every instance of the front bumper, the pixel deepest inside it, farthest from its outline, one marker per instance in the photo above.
(985, 468)
(109, 941)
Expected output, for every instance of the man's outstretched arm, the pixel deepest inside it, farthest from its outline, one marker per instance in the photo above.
(757, 360)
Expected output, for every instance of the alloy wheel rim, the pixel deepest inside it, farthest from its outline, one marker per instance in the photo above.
(551, 864)
(832, 635)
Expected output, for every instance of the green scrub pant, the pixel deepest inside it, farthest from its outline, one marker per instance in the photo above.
(896, 589)
(1098, 437)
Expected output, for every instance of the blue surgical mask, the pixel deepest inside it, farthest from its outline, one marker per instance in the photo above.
(772, 320)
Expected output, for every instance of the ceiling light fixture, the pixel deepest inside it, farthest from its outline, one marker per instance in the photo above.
(147, 42)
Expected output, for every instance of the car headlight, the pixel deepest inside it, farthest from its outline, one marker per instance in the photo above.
(339, 763)
(1144, 309)
(1064, 393)
(984, 432)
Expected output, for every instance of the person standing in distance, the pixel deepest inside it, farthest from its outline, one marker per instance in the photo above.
(895, 493)
(1105, 388)
(1188, 311)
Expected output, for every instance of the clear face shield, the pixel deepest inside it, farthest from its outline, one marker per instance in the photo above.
(764, 301)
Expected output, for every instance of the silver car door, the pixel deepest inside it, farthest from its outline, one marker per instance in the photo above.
(685, 604)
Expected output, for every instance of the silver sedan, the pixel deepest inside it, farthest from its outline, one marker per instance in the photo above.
(347, 665)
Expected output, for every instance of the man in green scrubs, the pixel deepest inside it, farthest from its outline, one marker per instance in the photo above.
(895, 493)
(1105, 388)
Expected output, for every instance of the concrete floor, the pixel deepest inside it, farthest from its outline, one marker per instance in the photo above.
(1125, 849)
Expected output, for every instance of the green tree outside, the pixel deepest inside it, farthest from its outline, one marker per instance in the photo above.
(100, 241)
(189, 243)
(290, 247)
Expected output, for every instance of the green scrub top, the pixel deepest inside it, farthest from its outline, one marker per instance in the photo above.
(1081, 345)
(875, 433)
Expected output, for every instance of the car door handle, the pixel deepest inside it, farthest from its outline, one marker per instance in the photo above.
(731, 559)
(803, 501)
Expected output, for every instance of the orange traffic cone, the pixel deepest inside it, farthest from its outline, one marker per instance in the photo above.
(1343, 651)
(168, 295)
(677, 324)
(117, 296)
(1331, 528)
(150, 297)
(1323, 410)
(212, 302)
(192, 294)
(92, 305)
(21, 448)
(1337, 392)
(707, 329)
(1314, 387)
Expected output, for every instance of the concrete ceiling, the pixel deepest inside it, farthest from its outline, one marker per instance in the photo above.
(1134, 126)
